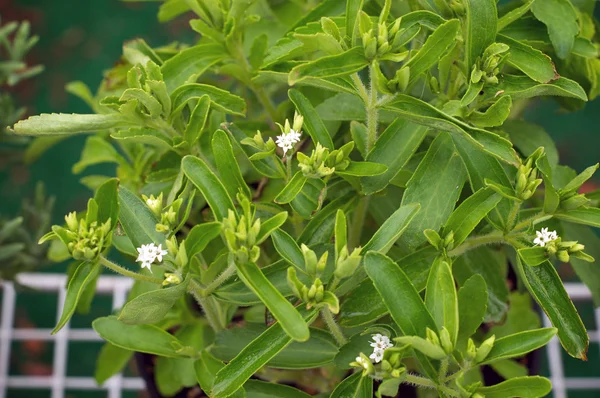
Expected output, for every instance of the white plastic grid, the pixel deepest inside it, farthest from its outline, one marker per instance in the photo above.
(119, 286)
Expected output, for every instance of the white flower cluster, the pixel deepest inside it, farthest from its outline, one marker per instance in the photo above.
(380, 344)
(544, 236)
(287, 141)
(150, 253)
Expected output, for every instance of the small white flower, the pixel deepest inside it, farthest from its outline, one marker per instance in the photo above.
(544, 236)
(362, 362)
(380, 344)
(150, 253)
(153, 202)
(287, 141)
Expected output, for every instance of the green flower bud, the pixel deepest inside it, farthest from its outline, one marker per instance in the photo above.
(312, 292)
(446, 341)
(364, 363)
(253, 232)
(398, 373)
(563, 256)
(310, 260)
(577, 247)
(72, 222)
(346, 265)
(298, 121)
(432, 337)
(171, 279)
(395, 27)
(471, 350)
(322, 263)
(449, 241)
(476, 75)
(484, 349)
(294, 283)
(433, 237)
(154, 203)
(382, 35)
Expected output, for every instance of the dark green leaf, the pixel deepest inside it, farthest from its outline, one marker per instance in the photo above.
(528, 137)
(441, 299)
(391, 230)
(480, 28)
(220, 99)
(108, 204)
(519, 344)
(137, 219)
(436, 186)
(309, 198)
(561, 19)
(111, 360)
(227, 165)
(522, 87)
(292, 188)
(267, 227)
(190, 63)
(533, 256)
(363, 169)
(514, 15)
(583, 215)
(526, 387)
(312, 122)
(262, 389)
(547, 289)
(355, 386)
(288, 249)
(197, 120)
(291, 321)
(530, 61)
(200, 236)
(142, 338)
(342, 64)
(209, 185)
(152, 306)
(320, 228)
(472, 304)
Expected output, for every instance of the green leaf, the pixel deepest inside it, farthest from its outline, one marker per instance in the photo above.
(267, 227)
(209, 185)
(292, 188)
(253, 357)
(341, 232)
(220, 99)
(342, 64)
(197, 121)
(352, 9)
(528, 137)
(530, 61)
(514, 15)
(206, 368)
(193, 61)
(348, 352)
(547, 289)
(320, 228)
(492, 267)
(526, 387)
(436, 186)
(143, 135)
(77, 283)
(309, 198)
(583, 215)
(424, 114)
(391, 230)
(200, 236)
(560, 18)
(472, 305)
(288, 249)
(313, 124)
(522, 315)
(96, 150)
(533, 256)
(581, 178)
(290, 319)
(262, 389)
(108, 204)
(480, 28)
(402, 300)
(317, 351)
(354, 386)
(227, 165)
(522, 87)
(152, 306)
(111, 360)
(433, 49)
(441, 299)
(362, 169)
(393, 148)
(495, 115)
(143, 338)
(137, 219)
(62, 123)
(519, 344)
(469, 214)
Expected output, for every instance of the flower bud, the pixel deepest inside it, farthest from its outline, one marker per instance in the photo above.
(446, 341)
(563, 256)
(577, 247)
(395, 27)
(471, 349)
(346, 265)
(298, 122)
(432, 337)
(449, 241)
(484, 349)
(322, 263)
(310, 260)
(154, 203)
(171, 279)
(72, 222)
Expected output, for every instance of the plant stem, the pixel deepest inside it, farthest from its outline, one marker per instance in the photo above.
(229, 271)
(358, 222)
(419, 381)
(472, 243)
(333, 326)
(266, 102)
(209, 307)
(125, 272)
(288, 167)
(443, 368)
(362, 90)
(512, 216)
(371, 107)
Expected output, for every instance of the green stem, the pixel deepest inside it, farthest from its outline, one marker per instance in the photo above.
(209, 307)
(443, 368)
(266, 102)
(419, 381)
(358, 222)
(523, 224)
(371, 107)
(472, 243)
(288, 167)
(362, 90)
(125, 272)
(333, 326)
(229, 271)
(512, 216)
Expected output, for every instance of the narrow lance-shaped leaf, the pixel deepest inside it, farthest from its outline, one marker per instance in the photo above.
(519, 344)
(290, 319)
(190, 62)
(312, 122)
(62, 123)
(253, 357)
(200, 236)
(529, 60)
(354, 386)
(108, 204)
(227, 165)
(342, 64)
(209, 185)
(197, 120)
(547, 289)
(441, 299)
(77, 283)
(288, 249)
(391, 230)
(402, 300)
(472, 304)
(137, 219)
(495, 115)
(263, 389)
(220, 99)
(525, 387)
(268, 226)
(480, 28)
(291, 189)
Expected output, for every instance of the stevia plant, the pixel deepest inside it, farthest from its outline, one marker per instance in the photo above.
(356, 233)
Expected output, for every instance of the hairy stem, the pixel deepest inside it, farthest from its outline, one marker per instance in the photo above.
(219, 280)
(358, 222)
(333, 326)
(476, 241)
(209, 307)
(125, 272)
(419, 381)
(371, 107)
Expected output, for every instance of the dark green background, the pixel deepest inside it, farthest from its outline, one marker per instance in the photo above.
(79, 40)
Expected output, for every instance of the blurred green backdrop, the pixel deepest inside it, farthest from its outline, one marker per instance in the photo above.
(78, 41)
